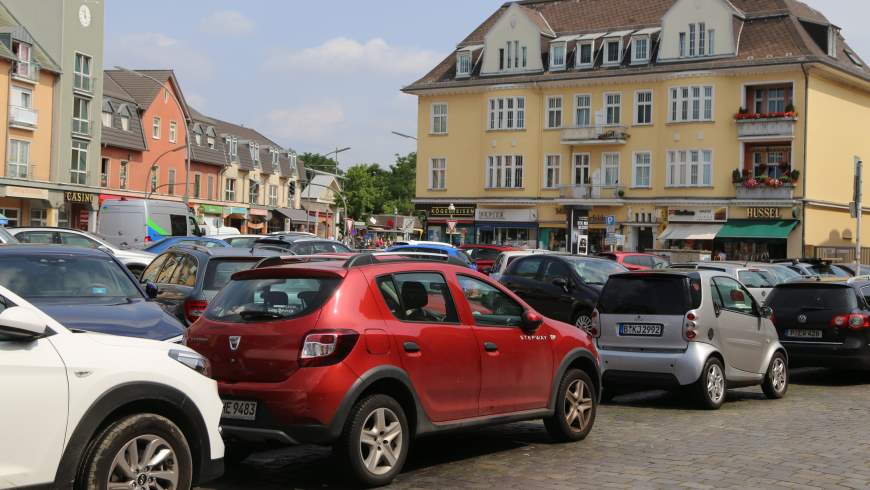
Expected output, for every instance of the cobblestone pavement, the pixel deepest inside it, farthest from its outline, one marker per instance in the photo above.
(817, 437)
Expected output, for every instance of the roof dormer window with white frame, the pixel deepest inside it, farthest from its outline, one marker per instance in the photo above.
(833, 34)
(613, 48)
(640, 50)
(463, 64)
(558, 54)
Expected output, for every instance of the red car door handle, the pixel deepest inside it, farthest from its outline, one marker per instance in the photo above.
(411, 347)
(490, 346)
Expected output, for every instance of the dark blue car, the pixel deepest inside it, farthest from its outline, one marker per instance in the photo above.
(432, 248)
(173, 241)
(85, 289)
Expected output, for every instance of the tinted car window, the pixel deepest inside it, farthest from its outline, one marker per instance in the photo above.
(178, 222)
(733, 296)
(489, 306)
(840, 298)
(482, 253)
(594, 271)
(219, 271)
(165, 275)
(422, 297)
(755, 279)
(828, 270)
(36, 237)
(640, 260)
(75, 240)
(241, 242)
(556, 269)
(150, 273)
(525, 267)
(258, 300)
(645, 295)
(66, 277)
(185, 272)
(211, 244)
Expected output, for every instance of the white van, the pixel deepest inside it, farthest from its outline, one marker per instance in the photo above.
(137, 223)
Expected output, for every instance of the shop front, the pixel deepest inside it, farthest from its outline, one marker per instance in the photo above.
(287, 219)
(589, 229)
(444, 224)
(210, 215)
(320, 218)
(29, 206)
(79, 211)
(691, 230)
(236, 217)
(257, 219)
(762, 235)
(515, 227)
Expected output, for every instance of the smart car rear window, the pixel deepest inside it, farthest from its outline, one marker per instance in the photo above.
(645, 295)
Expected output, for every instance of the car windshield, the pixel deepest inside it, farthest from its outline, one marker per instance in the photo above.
(7, 237)
(219, 271)
(645, 295)
(594, 271)
(827, 270)
(756, 279)
(783, 274)
(259, 300)
(66, 276)
(241, 242)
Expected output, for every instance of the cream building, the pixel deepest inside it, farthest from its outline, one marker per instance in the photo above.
(702, 125)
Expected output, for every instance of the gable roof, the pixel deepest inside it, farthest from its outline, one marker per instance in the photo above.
(771, 33)
(11, 28)
(143, 89)
(320, 187)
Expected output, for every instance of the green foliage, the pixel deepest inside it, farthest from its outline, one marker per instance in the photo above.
(319, 162)
(369, 189)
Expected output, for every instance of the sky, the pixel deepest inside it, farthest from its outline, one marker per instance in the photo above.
(321, 75)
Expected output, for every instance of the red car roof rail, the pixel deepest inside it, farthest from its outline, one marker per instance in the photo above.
(297, 259)
(375, 258)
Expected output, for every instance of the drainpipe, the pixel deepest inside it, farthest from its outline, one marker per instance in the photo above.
(806, 166)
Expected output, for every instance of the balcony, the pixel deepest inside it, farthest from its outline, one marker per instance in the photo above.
(760, 127)
(26, 71)
(22, 117)
(595, 135)
(591, 191)
(763, 192)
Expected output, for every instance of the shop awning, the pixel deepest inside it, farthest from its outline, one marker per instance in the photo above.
(693, 231)
(748, 228)
(295, 215)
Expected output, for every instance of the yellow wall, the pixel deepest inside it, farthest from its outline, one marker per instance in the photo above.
(469, 143)
(40, 138)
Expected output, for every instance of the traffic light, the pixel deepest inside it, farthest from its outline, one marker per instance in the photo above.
(292, 188)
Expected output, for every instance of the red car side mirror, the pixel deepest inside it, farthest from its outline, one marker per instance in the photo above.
(531, 321)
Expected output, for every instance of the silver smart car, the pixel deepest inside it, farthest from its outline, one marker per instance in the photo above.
(700, 329)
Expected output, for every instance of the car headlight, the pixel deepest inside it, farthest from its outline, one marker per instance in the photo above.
(192, 360)
(178, 339)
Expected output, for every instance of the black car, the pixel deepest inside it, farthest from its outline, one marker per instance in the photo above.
(301, 245)
(824, 322)
(562, 287)
(184, 279)
(85, 289)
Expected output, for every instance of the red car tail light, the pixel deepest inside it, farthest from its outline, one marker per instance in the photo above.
(858, 320)
(327, 347)
(194, 308)
(691, 326)
(840, 320)
(595, 328)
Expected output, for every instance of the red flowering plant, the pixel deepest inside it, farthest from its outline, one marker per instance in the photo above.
(750, 183)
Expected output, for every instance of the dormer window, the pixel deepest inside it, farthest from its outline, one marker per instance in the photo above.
(613, 51)
(463, 64)
(585, 54)
(640, 50)
(557, 55)
(198, 138)
(701, 41)
(832, 41)
(255, 151)
(513, 56)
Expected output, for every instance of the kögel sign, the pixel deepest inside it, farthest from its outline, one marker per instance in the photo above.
(439, 211)
(762, 213)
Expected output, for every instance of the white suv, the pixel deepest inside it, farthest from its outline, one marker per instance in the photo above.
(88, 410)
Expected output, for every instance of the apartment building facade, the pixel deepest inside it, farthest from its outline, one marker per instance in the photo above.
(707, 125)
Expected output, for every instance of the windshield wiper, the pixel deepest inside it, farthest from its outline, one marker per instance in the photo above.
(259, 315)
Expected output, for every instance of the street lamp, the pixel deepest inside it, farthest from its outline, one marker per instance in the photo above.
(336, 152)
(186, 126)
(452, 209)
(403, 135)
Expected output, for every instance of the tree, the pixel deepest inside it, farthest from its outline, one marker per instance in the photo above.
(401, 185)
(364, 189)
(314, 161)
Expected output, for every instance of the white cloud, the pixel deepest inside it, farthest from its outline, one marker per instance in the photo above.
(198, 101)
(158, 50)
(226, 23)
(343, 55)
(311, 123)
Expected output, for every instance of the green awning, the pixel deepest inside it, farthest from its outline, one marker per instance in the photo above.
(750, 228)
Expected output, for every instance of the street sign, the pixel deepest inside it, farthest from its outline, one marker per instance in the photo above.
(583, 223)
(451, 227)
(611, 229)
(583, 245)
(611, 220)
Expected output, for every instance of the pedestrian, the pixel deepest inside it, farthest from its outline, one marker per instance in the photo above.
(721, 256)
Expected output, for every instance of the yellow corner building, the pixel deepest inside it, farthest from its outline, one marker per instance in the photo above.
(687, 127)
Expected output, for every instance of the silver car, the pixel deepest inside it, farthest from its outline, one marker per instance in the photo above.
(699, 329)
(760, 282)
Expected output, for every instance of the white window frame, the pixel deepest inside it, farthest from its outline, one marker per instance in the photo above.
(577, 61)
(637, 165)
(692, 33)
(170, 182)
(553, 117)
(577, 122)
(605, 57)
(685, 101)
(13, 215)
(14, 160)
(581, 164)
(552, 170)
(637, 106)
(554, 66)
(690, 168)
(210, 141)
(123, 174)
(463, 71)
(125, 122)
(82, 125)
(230, 190)
(682, 44)
(702, 39)
(155, 128)
(197, 185)
(501, 172)
(273, 195)
(82, 75)
(38, 217)
(635, 59)
(437, 174)
(438, 122)
(617, 112)
(711, 42)
(607, 163)
(79, 175)
(173, 131)
(505, 114)
(104, 176)
(209, 190)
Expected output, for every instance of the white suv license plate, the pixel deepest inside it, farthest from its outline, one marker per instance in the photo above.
(803, 333)
(239, 410)
(640, 330)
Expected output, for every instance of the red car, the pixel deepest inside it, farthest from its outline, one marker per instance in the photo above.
(484, 255)
(368, 353)
(636, 261)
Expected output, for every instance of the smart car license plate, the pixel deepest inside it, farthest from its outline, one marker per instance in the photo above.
(803, 333)
(235, 409)
(640, 330)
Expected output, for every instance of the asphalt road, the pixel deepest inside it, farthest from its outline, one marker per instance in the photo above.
(816, 437)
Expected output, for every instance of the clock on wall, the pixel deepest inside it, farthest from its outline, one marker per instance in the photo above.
(85, 15)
